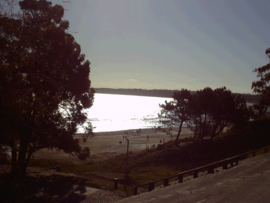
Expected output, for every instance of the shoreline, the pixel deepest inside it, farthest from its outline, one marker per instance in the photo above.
(116, 132)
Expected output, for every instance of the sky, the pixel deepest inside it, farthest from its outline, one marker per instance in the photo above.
(172, 44)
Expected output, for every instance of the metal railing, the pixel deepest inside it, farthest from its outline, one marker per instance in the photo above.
(210, 168)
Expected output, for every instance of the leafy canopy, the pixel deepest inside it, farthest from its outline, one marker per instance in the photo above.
(207, 112)
(178, 111)
(44, 82)
(262, 86)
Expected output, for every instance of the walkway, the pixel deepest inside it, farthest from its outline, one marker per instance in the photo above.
(249, 182)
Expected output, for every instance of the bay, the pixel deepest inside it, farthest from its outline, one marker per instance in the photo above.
(111, 112)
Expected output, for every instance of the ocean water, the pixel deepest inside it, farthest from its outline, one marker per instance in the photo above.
(112, 112)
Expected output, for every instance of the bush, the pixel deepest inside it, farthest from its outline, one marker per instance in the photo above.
(84, 154)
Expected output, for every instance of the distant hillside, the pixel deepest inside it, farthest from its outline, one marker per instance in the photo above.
(137, 92)
(250, 98)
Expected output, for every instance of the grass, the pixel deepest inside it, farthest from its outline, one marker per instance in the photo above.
(101, 174)
(145, 166)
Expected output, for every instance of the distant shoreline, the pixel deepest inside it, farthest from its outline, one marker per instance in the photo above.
(250, 98)
(136, 92)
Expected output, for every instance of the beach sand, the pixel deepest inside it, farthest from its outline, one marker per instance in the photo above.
(107, 144)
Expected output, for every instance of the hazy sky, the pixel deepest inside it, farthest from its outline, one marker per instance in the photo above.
(172, 44)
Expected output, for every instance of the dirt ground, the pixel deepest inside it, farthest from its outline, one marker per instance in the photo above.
(107, 144)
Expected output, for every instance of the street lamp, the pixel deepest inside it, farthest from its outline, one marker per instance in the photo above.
(126, 171)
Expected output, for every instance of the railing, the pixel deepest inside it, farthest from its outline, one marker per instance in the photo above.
(210, 168)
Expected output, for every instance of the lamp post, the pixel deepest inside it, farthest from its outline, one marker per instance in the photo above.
(126, 170)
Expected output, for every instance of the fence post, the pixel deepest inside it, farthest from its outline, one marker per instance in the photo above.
(225, 165)
(166, 182)
(135, 190)
(151, 186)
(195, 174)
(237, 161)
(232, 162)
(211, 169)
(180, 178)
(116, 183)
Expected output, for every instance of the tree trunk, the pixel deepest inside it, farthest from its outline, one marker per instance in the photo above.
(26, 161)
(220, 130)
(213, 133)
(196, 130)
(198, 127)
(22, 158)
(178, 135)
(14, 169)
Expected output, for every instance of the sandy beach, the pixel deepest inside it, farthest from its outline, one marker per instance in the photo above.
(106, 144)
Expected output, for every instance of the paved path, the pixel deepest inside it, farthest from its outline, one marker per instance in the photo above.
(249, 182)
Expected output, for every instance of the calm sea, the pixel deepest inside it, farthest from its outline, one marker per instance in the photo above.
(112, 112)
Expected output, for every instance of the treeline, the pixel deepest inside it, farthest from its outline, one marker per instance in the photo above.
(207, 112)
(136, 92)
(250, 98)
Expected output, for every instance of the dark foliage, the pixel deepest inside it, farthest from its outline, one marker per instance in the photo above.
(249, 135)
(44, 82)
(262, 87)
(215, 110)
(207, 112)
(177, 111)
(43, 189)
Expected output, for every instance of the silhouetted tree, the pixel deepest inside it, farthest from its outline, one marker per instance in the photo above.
(262, 86)
(202, 104)
(214, 110)
(44, 83)
(178, 111)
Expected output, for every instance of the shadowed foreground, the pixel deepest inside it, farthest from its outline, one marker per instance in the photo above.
(44, 189)
(248, 182)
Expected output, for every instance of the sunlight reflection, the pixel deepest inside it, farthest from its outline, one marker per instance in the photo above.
(121, 112)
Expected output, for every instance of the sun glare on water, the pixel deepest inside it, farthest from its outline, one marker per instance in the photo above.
(121, 112)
